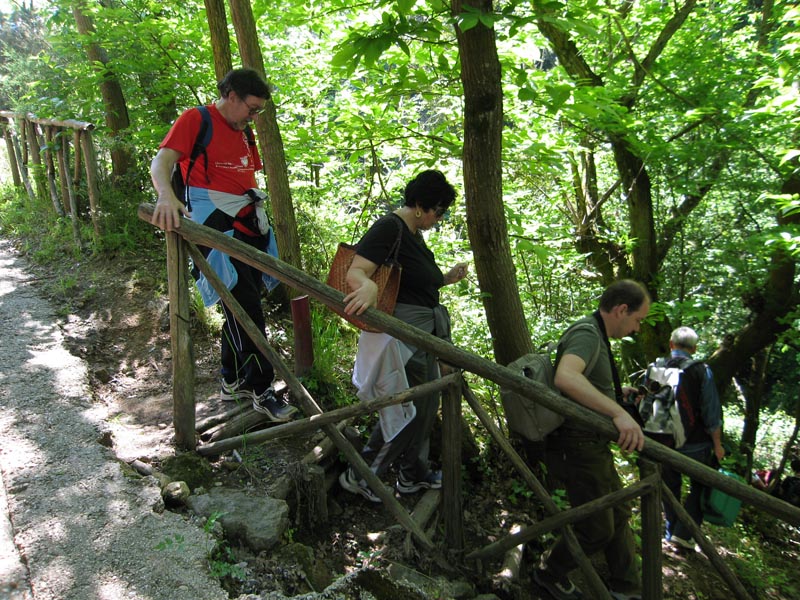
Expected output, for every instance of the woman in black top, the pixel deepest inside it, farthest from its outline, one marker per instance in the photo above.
(426, 198)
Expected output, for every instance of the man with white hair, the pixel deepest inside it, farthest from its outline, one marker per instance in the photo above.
(700, 404)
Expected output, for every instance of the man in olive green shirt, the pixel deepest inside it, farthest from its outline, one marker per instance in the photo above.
(582, 458)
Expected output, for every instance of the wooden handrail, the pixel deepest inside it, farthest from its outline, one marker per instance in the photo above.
(478, 365)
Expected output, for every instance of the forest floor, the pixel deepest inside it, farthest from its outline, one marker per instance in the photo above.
(115, 318)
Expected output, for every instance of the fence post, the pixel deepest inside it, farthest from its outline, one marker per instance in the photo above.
(92, 177)
(67, 193)
(452, 514)
(303, 343)
(180, 335)
(652, 532)
(37, 166)
(12, 156)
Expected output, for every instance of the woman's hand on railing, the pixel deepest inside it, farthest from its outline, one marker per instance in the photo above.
(361, 298)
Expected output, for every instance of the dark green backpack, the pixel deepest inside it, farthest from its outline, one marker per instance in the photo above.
(524, 415)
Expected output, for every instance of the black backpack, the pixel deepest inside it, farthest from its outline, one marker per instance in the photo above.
(790, 490)
(200, 143)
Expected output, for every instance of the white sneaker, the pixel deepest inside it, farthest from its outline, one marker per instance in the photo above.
(277, 411)
(349, 481)
(682, 543)
(231, 392)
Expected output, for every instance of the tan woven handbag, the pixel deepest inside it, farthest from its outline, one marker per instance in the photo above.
(386, 276)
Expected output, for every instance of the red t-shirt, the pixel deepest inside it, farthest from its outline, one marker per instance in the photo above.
(232, 162)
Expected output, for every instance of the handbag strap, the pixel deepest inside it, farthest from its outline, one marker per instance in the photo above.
(396, 246)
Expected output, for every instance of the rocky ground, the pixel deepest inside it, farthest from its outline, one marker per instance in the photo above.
(114, 320)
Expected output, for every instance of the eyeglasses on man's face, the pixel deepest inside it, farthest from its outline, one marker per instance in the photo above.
(440, 211)
(252, 110)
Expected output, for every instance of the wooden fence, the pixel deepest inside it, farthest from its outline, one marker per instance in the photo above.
(35, 146)
(650, 488)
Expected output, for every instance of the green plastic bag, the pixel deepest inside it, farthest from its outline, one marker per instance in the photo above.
(718, 507)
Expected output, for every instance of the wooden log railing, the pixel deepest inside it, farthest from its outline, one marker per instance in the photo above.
(26, 134)
(452, 355)
(297, 390)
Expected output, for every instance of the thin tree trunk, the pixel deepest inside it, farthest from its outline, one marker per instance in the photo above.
(483, 186)
(269, 137)
(220, 40)
(116, 110)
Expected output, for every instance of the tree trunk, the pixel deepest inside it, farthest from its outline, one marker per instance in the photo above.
(483, 189)
(116, 110)
(269, 137)
(220, 40)
(769, 305)
(753, 401)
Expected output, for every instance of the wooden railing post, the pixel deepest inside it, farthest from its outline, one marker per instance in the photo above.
(180, 335)
(92, 178)
(451, 465)
(37, 166)
(652, 532)
(12, 156)
(303, 341)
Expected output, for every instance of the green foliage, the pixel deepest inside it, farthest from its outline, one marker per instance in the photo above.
(757, 569)
(169, 543)
(518, 490)
(334, 344)
(221, 560)
(209, 319)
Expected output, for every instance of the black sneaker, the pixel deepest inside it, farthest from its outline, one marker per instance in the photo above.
(230, 392)
(560, 589)
(349, 481)
(432, 481)
(267, 403)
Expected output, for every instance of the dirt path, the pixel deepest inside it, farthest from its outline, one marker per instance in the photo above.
(74, 526)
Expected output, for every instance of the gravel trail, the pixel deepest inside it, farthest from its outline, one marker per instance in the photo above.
(73, 525)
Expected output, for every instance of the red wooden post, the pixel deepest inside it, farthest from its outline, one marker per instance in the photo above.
(303, 346)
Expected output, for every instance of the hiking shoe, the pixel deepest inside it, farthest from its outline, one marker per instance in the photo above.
(681, 543)
(432, 481)
(231, 392)
(267, 403)
(349, 481)
(560, 589)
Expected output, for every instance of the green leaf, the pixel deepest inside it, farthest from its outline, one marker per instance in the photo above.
(404, 7)
(466, 22)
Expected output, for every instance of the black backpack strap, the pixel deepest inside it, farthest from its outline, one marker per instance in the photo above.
(200, 143)
(251, 138)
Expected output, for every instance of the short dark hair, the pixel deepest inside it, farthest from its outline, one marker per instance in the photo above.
(429, 190)
(245, 82)
(624, 291)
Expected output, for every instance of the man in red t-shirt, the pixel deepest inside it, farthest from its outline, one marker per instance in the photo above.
(223, 196)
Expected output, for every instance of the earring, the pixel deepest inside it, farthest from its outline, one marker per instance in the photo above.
(418, 214)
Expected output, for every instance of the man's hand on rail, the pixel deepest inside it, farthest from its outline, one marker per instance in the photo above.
(167, 213)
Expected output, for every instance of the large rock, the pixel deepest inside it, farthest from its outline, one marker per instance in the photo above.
(257, 522)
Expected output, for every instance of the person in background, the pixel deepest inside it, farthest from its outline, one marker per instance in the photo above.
(582, 458)
(698, 398)
(765, 480)
(384, 365)
(222, 189)
(789, 488)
